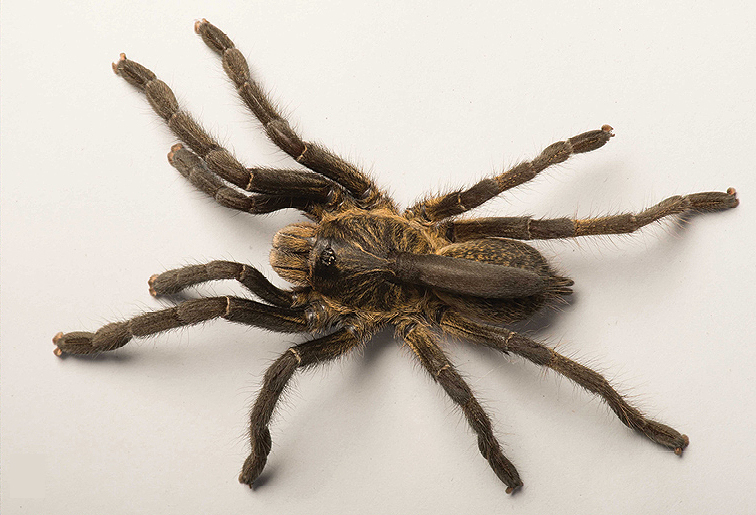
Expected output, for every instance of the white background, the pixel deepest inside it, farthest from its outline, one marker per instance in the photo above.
(428, 96)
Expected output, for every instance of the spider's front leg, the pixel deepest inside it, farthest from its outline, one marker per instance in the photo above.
(244, 311)
(277, 189)
(176, 280)
(277, 377)
(443, 372)
(278, 129)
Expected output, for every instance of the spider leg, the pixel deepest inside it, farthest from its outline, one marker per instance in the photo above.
(443, 372)
(293, 189)
(276, 378)
(508, 341)
(460, 201)
(526, 228)
(173, 281)
(190, 312)
(281, 188)
(311, 155)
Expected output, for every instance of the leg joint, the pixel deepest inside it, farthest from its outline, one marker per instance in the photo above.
(445, 367)
(296, 355)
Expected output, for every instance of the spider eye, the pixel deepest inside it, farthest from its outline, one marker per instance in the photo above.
(328, 257)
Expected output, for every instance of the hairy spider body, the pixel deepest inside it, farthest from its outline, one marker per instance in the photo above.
(347, 259)
(357, 263)
(360, 264)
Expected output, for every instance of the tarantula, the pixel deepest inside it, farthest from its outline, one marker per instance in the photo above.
(361, 264)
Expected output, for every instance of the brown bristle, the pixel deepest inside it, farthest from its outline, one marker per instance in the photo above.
(291, 266)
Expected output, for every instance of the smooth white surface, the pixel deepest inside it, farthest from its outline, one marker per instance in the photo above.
(428, 96)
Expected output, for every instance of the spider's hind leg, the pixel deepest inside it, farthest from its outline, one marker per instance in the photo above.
(508, 341)
(527, 228)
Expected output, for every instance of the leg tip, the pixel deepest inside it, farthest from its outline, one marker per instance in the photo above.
(734, 194)
(57, 351)
(253, 467)
(512, 489)
(151, 284)
(198, 25)
(246, 479)
(175, 148)
(680, 448)
(73, 343)
(116, 65)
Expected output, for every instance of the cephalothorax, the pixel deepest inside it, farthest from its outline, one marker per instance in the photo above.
(361, 264)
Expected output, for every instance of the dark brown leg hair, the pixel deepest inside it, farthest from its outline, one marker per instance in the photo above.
(293, 189)
(276, 378)
(173, 281)
(443, 372)
(195, 169)
(280, 188)
(190, 312)
(278, 129)
(526, 228)
(508, 341)
(457, 202)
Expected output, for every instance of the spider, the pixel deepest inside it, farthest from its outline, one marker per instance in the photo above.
(360, 263)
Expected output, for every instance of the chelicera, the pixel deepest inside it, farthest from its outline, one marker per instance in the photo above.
(360, 263)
